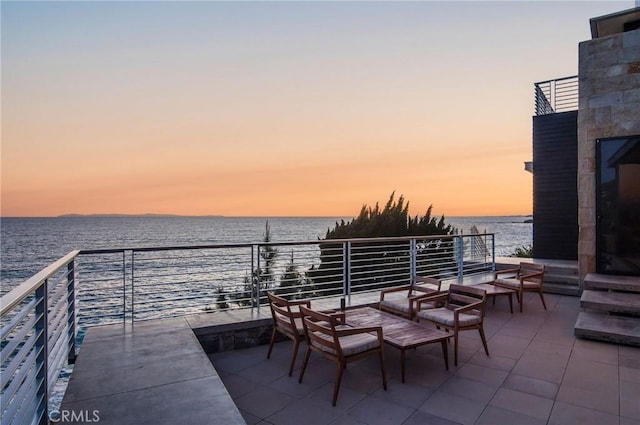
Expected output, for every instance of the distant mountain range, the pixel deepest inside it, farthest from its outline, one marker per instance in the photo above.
(135, 215)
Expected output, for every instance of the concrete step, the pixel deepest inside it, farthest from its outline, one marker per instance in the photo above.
(562, 278)
(553, 267)
(561, 289)
(603, 327)
(614, 302)
(611, 282)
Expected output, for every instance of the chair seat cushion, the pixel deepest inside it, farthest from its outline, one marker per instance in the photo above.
(396, 303)
(351, 344)
(514, 283)
(444, 316)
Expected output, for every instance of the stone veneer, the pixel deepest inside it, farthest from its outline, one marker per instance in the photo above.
(609, 106)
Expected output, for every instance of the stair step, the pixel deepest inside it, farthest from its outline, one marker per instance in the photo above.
(616, 283)
(603, 327)
(561, 289)
(561, 278)
(559, 267)
(614, 302)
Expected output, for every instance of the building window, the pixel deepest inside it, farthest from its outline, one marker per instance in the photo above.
(618, 205)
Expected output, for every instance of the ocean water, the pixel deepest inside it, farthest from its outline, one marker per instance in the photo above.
(29, 244)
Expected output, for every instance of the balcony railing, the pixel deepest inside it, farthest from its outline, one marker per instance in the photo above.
(556, 96)
(42, 316)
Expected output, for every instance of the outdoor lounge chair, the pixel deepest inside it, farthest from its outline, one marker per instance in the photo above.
(463, 310)
(287, 320)
(403, 299)
(328, 335)
(528, 277)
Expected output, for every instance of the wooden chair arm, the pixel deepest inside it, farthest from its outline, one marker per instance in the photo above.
(420, 297)
(530, 275)
(426, 291)
(431, 298)
(297, 315)
(338, 316)
(498, 272)
(360, 330)
(473, 306)
(306, 303)
(396, 289)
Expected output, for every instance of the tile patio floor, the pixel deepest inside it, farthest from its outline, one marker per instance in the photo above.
(538, 373)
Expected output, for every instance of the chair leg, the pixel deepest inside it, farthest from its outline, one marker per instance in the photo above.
(336, 385)
(384, 375)
(542, 298)
(455, 348)
(273, 339)
(304, 363)
(294, 354)
(521, 300)
(484, 340)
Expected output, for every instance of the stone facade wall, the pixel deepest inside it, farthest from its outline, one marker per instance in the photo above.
(609, 106)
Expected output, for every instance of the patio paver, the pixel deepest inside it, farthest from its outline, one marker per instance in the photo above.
(537, 373)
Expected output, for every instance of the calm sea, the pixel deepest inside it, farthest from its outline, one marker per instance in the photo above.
(30, 244)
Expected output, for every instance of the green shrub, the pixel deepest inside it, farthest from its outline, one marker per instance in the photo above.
(523, 252)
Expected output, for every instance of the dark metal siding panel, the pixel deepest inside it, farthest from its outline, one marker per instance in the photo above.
(555, 186)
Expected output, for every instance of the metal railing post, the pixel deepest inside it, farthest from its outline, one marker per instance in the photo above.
(257, 284)
(133, 288)
(42, 350)
(71, 312)
(124, 287)
(346, 269)
(493, 252)
(459, 258)
(413, 254)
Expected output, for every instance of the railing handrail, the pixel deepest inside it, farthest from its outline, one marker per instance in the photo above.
(557, 95)
(281, 243)
(556, 79)
(26, 288)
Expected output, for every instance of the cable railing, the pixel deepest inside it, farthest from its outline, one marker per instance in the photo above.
(38, 337)
(554, 96)
(44, 318)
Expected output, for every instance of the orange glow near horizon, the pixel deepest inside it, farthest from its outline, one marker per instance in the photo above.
(274, 109)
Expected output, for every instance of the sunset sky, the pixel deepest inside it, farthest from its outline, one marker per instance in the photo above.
(277, 108)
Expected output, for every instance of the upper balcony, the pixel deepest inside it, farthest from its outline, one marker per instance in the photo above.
(555, 96)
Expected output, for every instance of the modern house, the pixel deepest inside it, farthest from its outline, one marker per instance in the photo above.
(586, 157)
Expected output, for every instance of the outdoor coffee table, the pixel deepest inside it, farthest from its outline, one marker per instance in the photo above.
(399, 332)
(493, 291)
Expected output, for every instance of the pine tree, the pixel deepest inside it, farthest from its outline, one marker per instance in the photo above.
(391, 221)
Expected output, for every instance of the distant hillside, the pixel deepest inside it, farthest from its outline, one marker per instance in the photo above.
(134, 215)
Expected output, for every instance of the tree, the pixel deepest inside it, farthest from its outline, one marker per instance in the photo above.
(223, 296)
(291, 282)
(262, 277)
(391, 221)
(268, 254)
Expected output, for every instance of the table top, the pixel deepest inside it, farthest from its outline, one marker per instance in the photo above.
(397, 331)
(493, 289)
